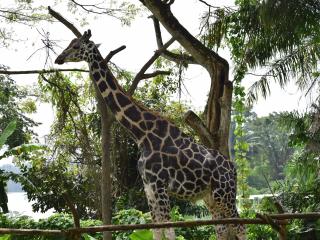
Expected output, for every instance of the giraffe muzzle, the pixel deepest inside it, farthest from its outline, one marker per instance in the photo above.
(59, 60)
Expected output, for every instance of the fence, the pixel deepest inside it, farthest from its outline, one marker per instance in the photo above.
(277, 222)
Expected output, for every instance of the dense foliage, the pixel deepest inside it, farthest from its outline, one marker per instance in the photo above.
(282, 37)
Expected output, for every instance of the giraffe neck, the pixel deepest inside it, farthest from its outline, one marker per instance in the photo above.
(126, 111)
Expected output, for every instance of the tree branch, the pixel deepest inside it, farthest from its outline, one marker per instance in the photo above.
(114, 52)
(77, 32)
(42, 71)
(178, 58)
(64, 22)
(197, 125)
(205, 3)
(94, 8)
(199, 52)
(145, 67)
(154, 74)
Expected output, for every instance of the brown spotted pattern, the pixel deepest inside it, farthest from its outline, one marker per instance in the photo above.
(170, 162)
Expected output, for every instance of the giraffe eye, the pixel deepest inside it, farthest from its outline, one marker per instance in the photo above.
(76, 46)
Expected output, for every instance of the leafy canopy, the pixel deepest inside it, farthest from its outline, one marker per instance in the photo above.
(280, 36)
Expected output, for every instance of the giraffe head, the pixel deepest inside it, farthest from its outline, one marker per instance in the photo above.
(78, 50)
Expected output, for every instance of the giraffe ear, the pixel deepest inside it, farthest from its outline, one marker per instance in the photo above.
(98, 45)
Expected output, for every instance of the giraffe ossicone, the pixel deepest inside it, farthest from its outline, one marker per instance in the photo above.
(170, 162)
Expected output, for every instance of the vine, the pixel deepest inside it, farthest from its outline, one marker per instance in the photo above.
(241, 146)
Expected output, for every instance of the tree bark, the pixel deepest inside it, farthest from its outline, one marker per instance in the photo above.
(107, 120)
(73, 209)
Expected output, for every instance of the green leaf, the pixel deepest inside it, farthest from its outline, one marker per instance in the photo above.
(141, 235)
(86, 237)
(5, 237)
(7, 132)
(24, 148)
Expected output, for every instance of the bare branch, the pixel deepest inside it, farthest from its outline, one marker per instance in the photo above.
(42, 71)
(94, 8)
(114, 52)
(154, 74)
(178, 58)
(64, 22)
(205, 3)
(145, 67)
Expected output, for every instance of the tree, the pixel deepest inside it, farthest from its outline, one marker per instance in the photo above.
(213, 130)
(15, 104)
(56, 184)
(15, 126)
(269, 142)
(5, 134)
(300, 188)
(62, 174)
(279, 36)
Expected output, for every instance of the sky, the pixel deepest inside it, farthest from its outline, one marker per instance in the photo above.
(140, 41)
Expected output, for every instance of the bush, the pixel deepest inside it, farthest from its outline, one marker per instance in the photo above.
(56, 221)
(195, 233)
(258, 231)
(130, 216)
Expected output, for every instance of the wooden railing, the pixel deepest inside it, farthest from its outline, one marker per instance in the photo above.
(277, 222)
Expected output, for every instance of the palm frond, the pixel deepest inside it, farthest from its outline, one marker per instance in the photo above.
(300, 65)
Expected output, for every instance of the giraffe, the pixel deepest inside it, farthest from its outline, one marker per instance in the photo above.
(171, 164)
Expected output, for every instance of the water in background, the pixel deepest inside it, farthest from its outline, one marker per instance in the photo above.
(18, 204)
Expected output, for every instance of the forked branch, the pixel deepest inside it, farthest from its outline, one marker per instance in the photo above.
(141, 74)
(178, 58)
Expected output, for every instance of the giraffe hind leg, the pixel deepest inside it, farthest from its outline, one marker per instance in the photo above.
(221, 209)
(221, 230)
(158, 201)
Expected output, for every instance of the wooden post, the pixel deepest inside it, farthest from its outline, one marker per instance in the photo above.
(282, 232)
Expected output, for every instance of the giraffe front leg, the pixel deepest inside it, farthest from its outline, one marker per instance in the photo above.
(158, 201)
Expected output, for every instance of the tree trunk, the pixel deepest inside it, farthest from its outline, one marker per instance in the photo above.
(218, 108)
(106, 200)
(73, 209)
(3, 196)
